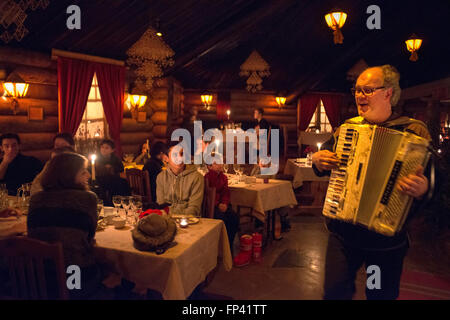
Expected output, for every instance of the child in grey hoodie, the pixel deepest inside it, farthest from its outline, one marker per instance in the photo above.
(180, 186)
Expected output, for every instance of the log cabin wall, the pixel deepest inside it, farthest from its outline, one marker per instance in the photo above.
(242, 105)
(40, 72)
(164, 107)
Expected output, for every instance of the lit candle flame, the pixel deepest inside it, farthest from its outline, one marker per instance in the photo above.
(183, 222)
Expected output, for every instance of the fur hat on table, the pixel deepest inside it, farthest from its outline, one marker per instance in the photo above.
(154, 233)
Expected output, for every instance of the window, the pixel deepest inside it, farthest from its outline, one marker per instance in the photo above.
(320, 119)
(93, 125)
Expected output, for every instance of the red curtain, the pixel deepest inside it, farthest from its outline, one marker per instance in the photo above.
(308, 104)
(74, 83)
(111, 83)
(223, 104)
(332, 104)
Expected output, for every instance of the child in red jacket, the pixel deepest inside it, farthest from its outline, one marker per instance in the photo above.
(222, 207)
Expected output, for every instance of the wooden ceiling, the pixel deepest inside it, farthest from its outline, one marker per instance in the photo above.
(212, 38)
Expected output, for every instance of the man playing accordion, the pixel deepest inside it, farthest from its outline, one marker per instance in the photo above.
(376, 91)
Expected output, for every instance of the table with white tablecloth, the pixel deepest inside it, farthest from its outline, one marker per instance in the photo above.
(312, 138)
(312, 185)
(262, 197)
(176, 272)
(301, 172)
(13, 226)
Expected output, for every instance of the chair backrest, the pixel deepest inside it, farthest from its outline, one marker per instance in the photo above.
(285, 140)
(27, 259)
(209, 199)
(139, 183)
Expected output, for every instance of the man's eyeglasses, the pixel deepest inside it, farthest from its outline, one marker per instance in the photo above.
(367, 91)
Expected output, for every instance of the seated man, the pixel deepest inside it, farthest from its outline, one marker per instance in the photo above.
(63, 139)
(158, 156)
(108, 168)
(144, 155)
(15, 168)
(222, 207)
(180, 186)
(107, 162)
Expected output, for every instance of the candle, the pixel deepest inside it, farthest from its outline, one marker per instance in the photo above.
(318, 146)
(228, 114)
(317, 131)
(183, 222)
(93, 157)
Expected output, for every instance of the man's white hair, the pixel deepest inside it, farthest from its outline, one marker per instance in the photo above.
(391, 79)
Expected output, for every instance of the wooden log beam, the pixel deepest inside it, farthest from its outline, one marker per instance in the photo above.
(135, 137)
(50, 106)
(159, 117)
(43, 155)
(25, 57)
(22, 124)
(81, 56)
(160, 131)
(203, 46)
(131, 125)
(41, 91)
(36, 140)
(36, 75)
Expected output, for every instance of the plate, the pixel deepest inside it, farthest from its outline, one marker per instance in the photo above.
(193, 220)
(190, 220)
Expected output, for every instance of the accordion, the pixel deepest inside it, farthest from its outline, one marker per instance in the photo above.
(362, 190)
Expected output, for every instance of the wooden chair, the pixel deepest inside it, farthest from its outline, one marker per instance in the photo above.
(25, 258)
(139, 183)
(209, 199)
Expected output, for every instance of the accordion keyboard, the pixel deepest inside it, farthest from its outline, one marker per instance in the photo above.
(336, 188)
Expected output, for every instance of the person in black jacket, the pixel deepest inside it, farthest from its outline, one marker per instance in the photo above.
(158, 156)
(65, 211)
(108, 168)
(15, 168)
(349, 246)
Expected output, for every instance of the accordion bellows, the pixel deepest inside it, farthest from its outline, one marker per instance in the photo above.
(363, 190)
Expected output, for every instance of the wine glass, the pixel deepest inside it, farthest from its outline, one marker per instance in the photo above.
(126, 205)
(136, 203)
(99, 207)
(226, 167)
(238, 169)
(117, 202)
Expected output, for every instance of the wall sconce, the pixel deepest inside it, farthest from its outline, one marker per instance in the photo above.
(281, 101)
(15, 87)
(335, 20)
(207, 99)
(413, 44)
(136, 102)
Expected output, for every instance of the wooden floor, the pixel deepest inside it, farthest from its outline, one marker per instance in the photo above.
(425, 276)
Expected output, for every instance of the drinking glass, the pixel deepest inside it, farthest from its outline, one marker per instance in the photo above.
(136, 203)
(117, 202)
(99, 207)
(225, 168)
(238, 169)
(126, 205)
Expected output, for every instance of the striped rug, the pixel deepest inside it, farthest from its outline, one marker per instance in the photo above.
(416, 285)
